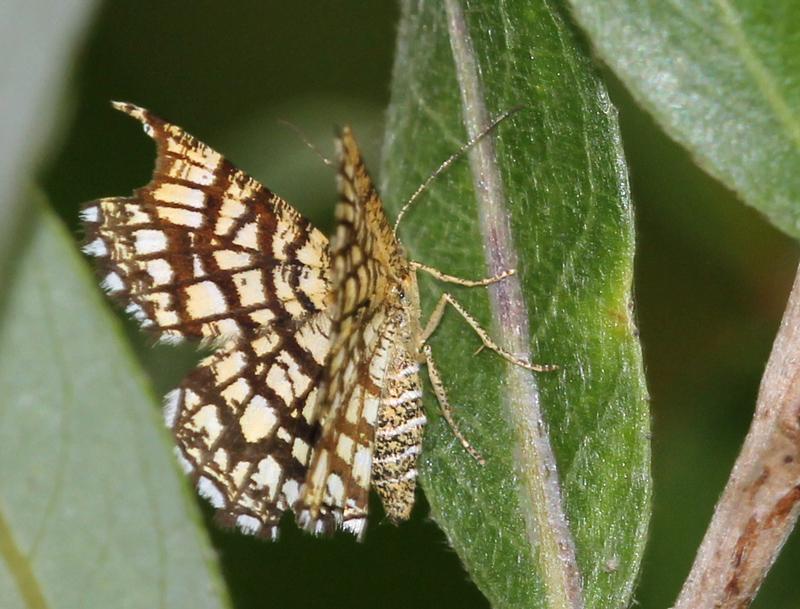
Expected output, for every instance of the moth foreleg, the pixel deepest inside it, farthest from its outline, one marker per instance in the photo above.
(470, 283)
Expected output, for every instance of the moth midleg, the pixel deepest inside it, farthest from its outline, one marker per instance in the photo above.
(444, 404)
(470, 283)
(436, 317)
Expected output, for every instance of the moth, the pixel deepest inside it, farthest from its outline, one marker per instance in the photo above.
(312, 394)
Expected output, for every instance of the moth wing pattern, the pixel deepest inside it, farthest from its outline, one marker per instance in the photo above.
(245, 422)
(339, 475)
(204, 251)
(363, 340)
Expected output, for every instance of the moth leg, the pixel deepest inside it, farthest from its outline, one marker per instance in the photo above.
(436, 318)
(470, 283)
(444, 405)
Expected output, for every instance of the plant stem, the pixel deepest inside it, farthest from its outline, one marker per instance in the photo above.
(761, 501)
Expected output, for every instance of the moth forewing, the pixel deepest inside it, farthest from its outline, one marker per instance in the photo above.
(206, 252)
(336, 492)
(366, 400)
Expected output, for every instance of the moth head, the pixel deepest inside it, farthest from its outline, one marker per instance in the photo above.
(405, 288)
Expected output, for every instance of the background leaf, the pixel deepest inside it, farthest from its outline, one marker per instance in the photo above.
(38, 42)
(93, 509)
(721, 78)
(570, 214)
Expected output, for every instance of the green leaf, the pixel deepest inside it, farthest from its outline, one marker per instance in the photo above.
(37, 41)
(552, 201)
(93, 509)
(721, 78)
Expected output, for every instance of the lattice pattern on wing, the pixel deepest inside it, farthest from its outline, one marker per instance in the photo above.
(245, 422)
(203, 250)
(338, 481)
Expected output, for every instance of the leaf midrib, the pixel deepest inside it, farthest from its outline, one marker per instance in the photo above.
(541, 501)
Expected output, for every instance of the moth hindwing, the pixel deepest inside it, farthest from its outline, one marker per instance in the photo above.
(312, 395)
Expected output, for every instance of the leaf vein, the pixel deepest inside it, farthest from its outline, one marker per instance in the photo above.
(761, 75)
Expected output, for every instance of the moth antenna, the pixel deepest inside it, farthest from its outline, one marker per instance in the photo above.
(453, 158)
(306, 141)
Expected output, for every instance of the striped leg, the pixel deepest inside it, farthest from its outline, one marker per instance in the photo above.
(470, 283)
(444, 405)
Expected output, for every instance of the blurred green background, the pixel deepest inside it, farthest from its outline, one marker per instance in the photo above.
(711, 276)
